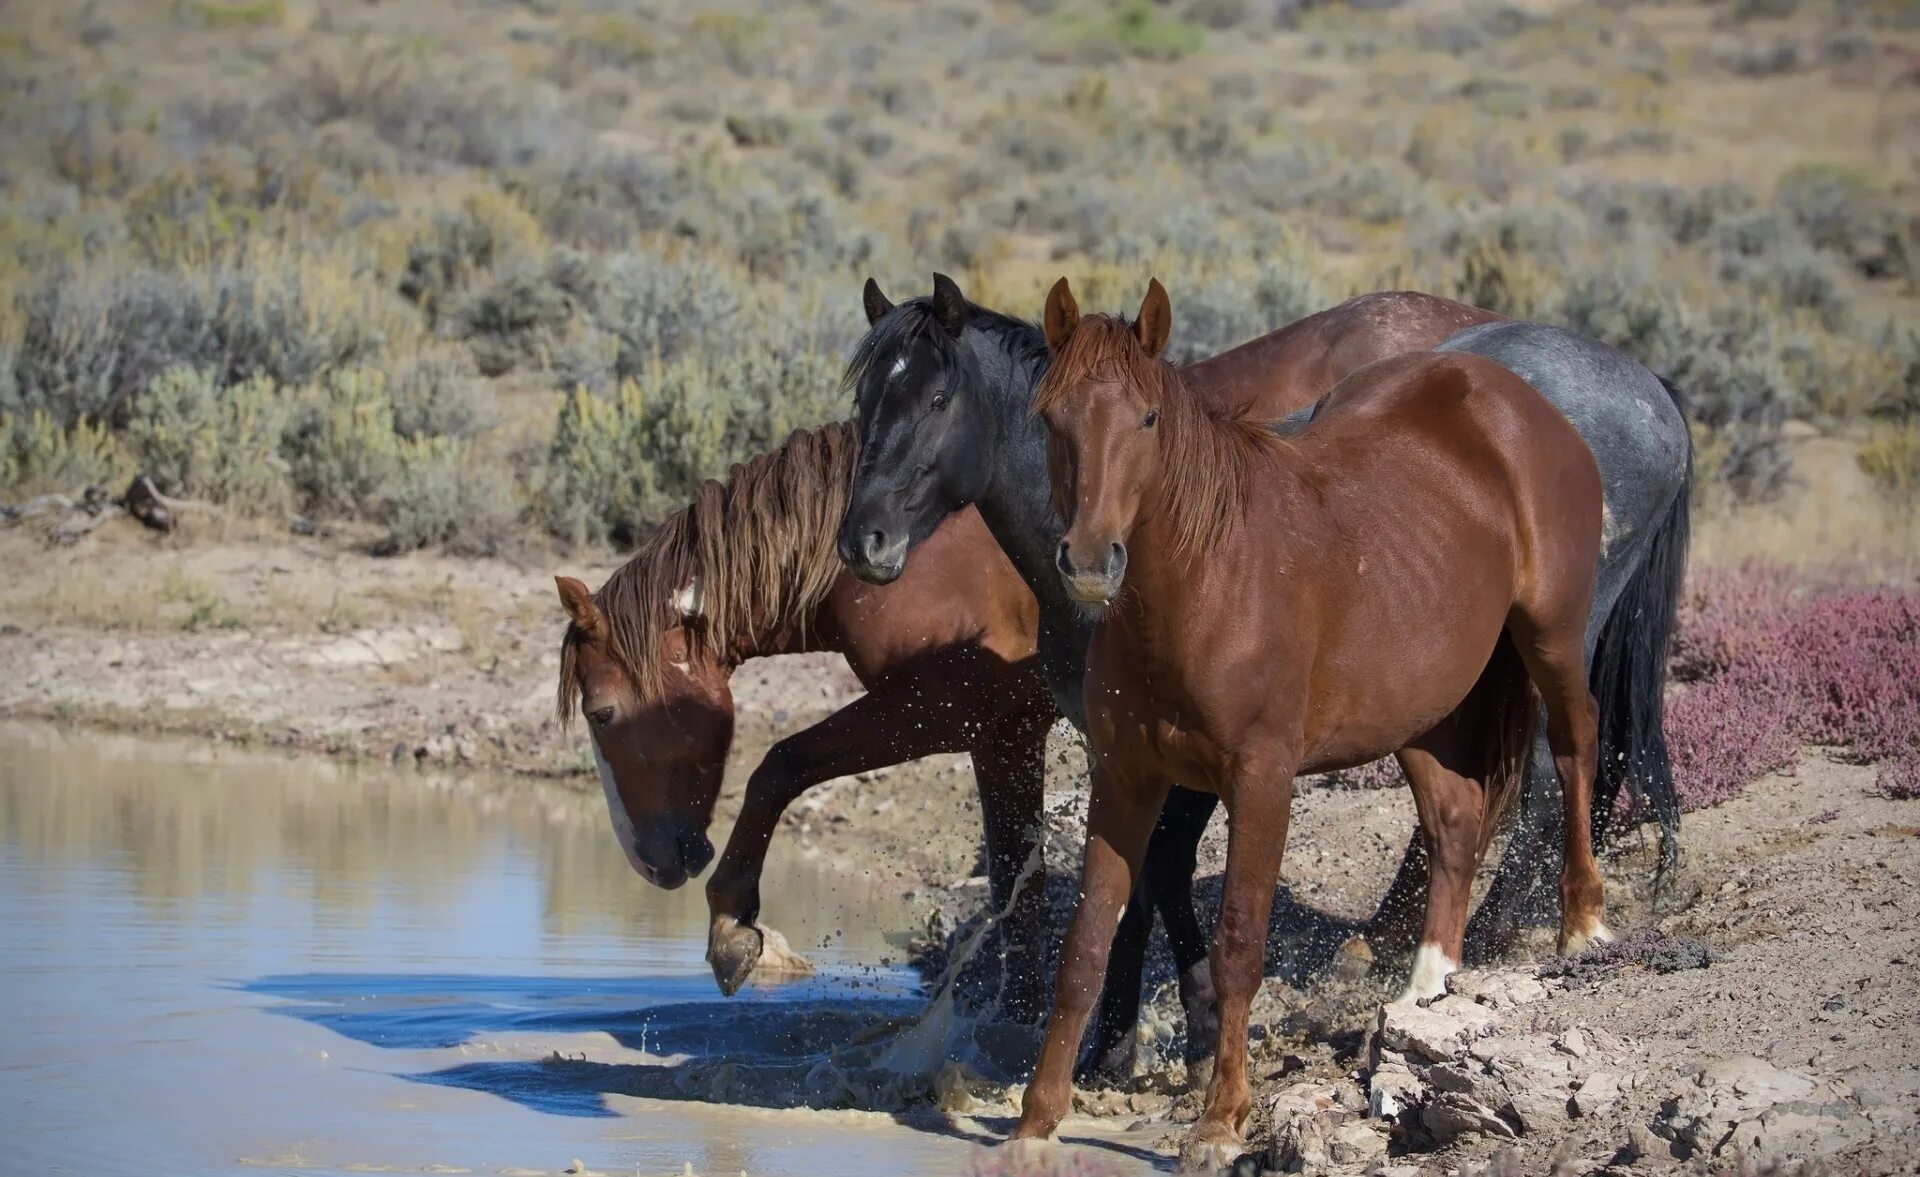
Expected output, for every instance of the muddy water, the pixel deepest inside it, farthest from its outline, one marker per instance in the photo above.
(216, 962)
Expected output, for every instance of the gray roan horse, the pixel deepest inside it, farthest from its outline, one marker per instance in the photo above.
(944, 394)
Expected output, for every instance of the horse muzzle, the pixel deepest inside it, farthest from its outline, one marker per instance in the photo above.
(1096, 585)
(874, 555)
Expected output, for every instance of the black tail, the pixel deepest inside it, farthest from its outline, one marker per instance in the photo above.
(1629, 676)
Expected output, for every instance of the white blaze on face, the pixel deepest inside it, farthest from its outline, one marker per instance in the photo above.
(616, 808)
(899, 366)
(690, 600)
(1430, 969)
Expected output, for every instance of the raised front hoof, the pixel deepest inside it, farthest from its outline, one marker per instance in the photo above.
(1209, 1149)
(733, 949)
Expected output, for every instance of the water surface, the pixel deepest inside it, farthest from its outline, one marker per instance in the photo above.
(222, 962)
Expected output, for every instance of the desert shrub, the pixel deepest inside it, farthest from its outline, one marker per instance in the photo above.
(92, 342)
(1900, 779)
(1891, 457)
(486, 230)
(238, 14)
(1218, 14)
(46, 456)
(446, 494)
(199, 439)
(620, 461)
(1779, 663)
(471, 118)
(519, 319)
(1848, 213)
(1132, 27)
(340, 446)
(436, 394)
(611, 40)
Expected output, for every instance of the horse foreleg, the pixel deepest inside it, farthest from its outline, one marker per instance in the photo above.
(1009, 764)
(1259, 798)
(894, 722)
(1120, 818)
(1165, 885)
(1170, 864)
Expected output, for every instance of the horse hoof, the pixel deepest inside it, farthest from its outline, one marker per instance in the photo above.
(1209, 1150)
(1112, 1067)
(733, 949)
(1575, 943)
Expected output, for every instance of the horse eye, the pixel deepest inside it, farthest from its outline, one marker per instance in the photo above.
(940, 400)
(1152, 416)
(600, 717)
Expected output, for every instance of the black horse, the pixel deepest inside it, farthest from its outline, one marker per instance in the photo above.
(944, 390)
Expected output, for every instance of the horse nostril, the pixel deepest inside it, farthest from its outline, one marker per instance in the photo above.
(601, 716)
(876, 544)
(1061, 560)
(1117, 557)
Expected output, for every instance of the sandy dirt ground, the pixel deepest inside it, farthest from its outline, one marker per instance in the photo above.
(1807, 887)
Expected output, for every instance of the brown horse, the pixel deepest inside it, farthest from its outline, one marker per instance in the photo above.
(946, 654)
(1387, 580)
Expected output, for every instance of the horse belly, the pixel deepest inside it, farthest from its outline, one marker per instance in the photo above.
(1373, 698)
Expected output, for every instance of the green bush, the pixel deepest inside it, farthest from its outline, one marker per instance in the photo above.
(340, 447)
(45, 456)
(445, 493)
(199, 440)
(621, 461)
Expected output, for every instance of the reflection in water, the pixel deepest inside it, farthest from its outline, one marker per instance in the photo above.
(219, 960)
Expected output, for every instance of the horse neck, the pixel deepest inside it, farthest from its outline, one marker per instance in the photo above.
(1017, 506)
(1281, 509)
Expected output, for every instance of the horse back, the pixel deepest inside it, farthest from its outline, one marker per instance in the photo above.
(1287, 370)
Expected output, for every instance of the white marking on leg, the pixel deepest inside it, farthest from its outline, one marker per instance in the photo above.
(616, 808)
(1430, 970)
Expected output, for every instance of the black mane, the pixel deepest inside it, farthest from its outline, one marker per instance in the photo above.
(913, 320)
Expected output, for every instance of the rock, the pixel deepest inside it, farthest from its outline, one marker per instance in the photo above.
(1500, 990)
(777, 957)
(1356, 1143)
(1450, 1114)
(1643, 1145)
(1600, 1091)
(1392, 1089)
(1436, 1033)
(1305, 1115)
(1749, 1104)
(1572, 1042)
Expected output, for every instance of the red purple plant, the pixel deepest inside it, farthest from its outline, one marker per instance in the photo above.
(1779, 662)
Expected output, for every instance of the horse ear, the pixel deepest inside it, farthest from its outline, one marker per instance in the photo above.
(949, 305)
(1156, 319)
(578, 602)
(1062, 315)
(877, 303)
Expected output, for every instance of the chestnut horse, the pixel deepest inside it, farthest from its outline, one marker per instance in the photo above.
(1389, 578)
(748, 570)
(944, 389)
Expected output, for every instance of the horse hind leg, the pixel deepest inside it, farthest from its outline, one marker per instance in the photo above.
(1462, 773)
(1552, 644)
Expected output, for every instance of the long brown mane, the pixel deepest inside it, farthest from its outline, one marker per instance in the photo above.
(1206, 451)
(760, 544)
